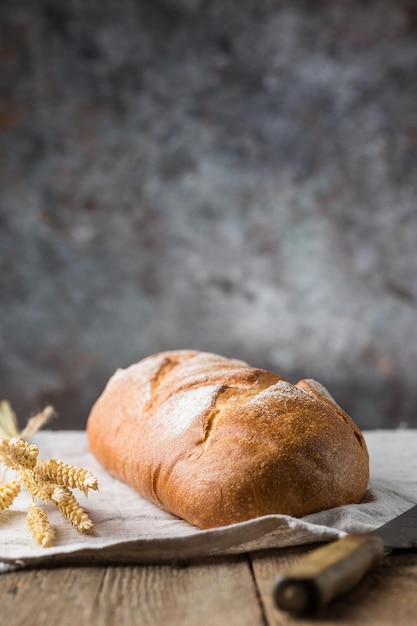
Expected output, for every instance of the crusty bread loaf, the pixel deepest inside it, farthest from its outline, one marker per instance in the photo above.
(215, 441)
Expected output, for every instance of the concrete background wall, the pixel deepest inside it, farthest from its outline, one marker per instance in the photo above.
(238, 177)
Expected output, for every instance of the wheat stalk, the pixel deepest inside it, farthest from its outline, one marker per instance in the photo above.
(8, 421)
(50, 481)
(37, 421)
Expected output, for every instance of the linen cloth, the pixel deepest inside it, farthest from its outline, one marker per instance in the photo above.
(129, 529)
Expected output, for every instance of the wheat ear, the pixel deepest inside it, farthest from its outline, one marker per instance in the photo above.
(44, 491)
(8, 492)
(16, 453)
(67, 475)
(39, 526)
(71, 509)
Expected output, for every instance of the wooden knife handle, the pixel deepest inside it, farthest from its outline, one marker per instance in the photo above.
(327, 572)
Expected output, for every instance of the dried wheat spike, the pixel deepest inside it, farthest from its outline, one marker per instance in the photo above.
(44, 491)
(39, 526)
(70, 507)
(16, 453)
(61, 473)
(8, 492)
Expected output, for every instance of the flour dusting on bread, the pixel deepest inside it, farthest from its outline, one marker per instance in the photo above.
(281, 390)
(180, 410)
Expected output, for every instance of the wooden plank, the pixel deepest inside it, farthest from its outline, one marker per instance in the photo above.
(44, 597)
(212, 592)
(386, 596)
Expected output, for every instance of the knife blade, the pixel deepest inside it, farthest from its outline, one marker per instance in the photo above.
(327, 572)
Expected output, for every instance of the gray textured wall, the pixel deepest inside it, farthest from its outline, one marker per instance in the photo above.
(238, 177)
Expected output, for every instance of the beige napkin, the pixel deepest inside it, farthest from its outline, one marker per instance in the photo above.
(129, 529)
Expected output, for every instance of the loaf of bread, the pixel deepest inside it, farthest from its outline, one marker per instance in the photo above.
(216, 442)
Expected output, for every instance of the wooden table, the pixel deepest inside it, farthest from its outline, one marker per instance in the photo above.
(217, 591)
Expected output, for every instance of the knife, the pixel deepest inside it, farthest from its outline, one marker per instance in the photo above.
(333, 569)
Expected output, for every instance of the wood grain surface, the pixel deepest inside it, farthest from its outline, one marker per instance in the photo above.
(218, 591)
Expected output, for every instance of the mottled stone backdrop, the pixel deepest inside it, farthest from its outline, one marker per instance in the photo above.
(238, 177)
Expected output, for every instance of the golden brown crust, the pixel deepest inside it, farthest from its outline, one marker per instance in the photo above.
(215, 441)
